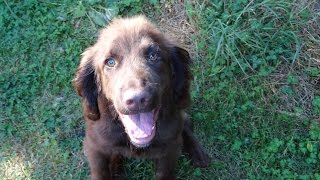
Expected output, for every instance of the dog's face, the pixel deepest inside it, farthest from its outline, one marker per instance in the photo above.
(135, 67)
(134, 72)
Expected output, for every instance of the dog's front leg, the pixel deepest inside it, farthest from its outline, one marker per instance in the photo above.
(165, 168)
(116, 167)
(99, 164)
(166, 165)
(193, 148)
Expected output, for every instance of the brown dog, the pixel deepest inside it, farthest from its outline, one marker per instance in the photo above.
(135, 85)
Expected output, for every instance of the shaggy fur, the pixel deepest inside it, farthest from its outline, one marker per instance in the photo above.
(134, 85)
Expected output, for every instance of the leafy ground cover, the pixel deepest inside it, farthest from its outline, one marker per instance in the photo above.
(256, 89)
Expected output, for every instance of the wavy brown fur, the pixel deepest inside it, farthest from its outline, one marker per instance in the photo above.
(166, 80)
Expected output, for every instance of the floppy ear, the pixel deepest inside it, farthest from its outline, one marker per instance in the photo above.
(86, 86)
(182, 76)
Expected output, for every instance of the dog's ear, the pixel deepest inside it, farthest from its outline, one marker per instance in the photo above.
(182, 76)
(86, 85)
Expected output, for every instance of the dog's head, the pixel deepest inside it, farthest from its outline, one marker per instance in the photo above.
(139, 71)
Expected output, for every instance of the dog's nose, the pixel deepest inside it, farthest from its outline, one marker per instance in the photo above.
(136, 99)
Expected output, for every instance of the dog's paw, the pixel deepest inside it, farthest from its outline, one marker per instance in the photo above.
(200, 158)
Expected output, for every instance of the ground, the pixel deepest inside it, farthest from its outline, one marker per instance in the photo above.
(256, 88)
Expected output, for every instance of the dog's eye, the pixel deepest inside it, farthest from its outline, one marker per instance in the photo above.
(152, 53)
(110, 62)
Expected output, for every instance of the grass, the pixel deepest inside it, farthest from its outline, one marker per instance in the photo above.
(254, 87)
(256, 90)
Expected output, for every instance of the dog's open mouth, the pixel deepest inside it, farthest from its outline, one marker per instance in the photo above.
(140, 127)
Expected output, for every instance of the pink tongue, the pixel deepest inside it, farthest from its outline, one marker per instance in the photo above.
(139, 125)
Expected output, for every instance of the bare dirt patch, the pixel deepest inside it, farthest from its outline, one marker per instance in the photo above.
(295, 90)
(174, 23)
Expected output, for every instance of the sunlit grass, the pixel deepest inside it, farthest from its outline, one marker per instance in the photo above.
(16, 168)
